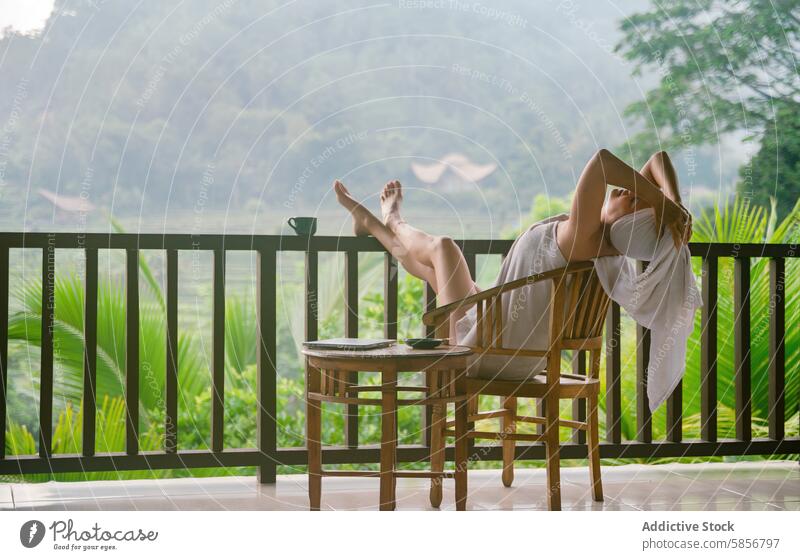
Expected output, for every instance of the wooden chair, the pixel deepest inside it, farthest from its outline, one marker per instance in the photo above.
(577, 317)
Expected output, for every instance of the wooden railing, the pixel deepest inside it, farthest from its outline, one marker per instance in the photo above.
(267, 456)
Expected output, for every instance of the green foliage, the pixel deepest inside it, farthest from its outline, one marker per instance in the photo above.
(411, 295)
(24, 326)
(722, 64)
(110, 436)
(774, 171)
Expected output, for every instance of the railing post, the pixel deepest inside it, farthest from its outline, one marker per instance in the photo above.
(644, 424)
(89, 353)
(675, 414)
(351, 331)
(171, 370)
(218, 353)
(390, 274)
(708, 351)
(266, 285)
(471, 264)
(3, 348)
(741, 328)
(312, 295)
(311, 333)
(46, 358)
(132, 351)
(613, 375)
(777, 355)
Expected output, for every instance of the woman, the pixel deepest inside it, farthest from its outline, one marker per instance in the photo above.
(585, 233)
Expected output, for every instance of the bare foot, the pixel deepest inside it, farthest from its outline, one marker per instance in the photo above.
(361, 216)
(391, 197)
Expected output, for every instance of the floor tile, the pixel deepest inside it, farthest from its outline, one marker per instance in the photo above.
(102, 504)
(6, 498)
(751, 486)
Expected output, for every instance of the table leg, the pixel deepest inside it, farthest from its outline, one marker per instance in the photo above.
(314, 438)
(438, 416)
(388, 437)
(462, 442)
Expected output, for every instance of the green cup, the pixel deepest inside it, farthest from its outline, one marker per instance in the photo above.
(303, 226)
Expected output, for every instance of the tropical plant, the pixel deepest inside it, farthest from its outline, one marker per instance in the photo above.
(68, 341)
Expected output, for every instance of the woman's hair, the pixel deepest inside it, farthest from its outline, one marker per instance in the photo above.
(634, 235)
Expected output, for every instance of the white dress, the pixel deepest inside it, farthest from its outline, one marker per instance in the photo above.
(526, 311)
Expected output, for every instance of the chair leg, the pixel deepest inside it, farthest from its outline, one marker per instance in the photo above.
(438, 416)
(593, 442)
(508, 427)
(461, 445)
(388, 439)
(553, 452)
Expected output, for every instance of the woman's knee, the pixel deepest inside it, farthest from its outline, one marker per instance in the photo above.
(445, 246)
(660, 156)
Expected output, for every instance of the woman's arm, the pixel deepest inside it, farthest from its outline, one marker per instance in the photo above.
(659, 170)
(583, 231)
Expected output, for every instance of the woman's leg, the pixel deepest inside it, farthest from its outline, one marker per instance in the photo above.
(453, 280)
(365, 223)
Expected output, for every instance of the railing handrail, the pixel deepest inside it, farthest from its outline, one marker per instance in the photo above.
(321, 243)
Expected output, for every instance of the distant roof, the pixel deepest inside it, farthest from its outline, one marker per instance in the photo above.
(68, 203)
(458, 164)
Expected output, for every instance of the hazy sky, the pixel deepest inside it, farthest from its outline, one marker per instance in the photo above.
(24, 15)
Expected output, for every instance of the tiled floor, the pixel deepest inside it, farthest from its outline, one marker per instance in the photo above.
(773, 485)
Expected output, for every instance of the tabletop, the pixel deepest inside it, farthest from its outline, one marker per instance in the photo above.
(394, 352)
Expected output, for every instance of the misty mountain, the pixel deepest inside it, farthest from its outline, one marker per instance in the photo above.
(226, 115)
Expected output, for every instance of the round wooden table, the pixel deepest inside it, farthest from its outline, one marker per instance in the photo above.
(327, 380)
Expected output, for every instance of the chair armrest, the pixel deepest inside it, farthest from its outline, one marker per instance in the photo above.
(431, 317)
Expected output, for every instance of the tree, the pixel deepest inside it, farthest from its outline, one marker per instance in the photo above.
(774, 171)
(723, 66)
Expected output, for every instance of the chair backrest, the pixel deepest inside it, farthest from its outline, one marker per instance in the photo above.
(585, 307)
(582, 318)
